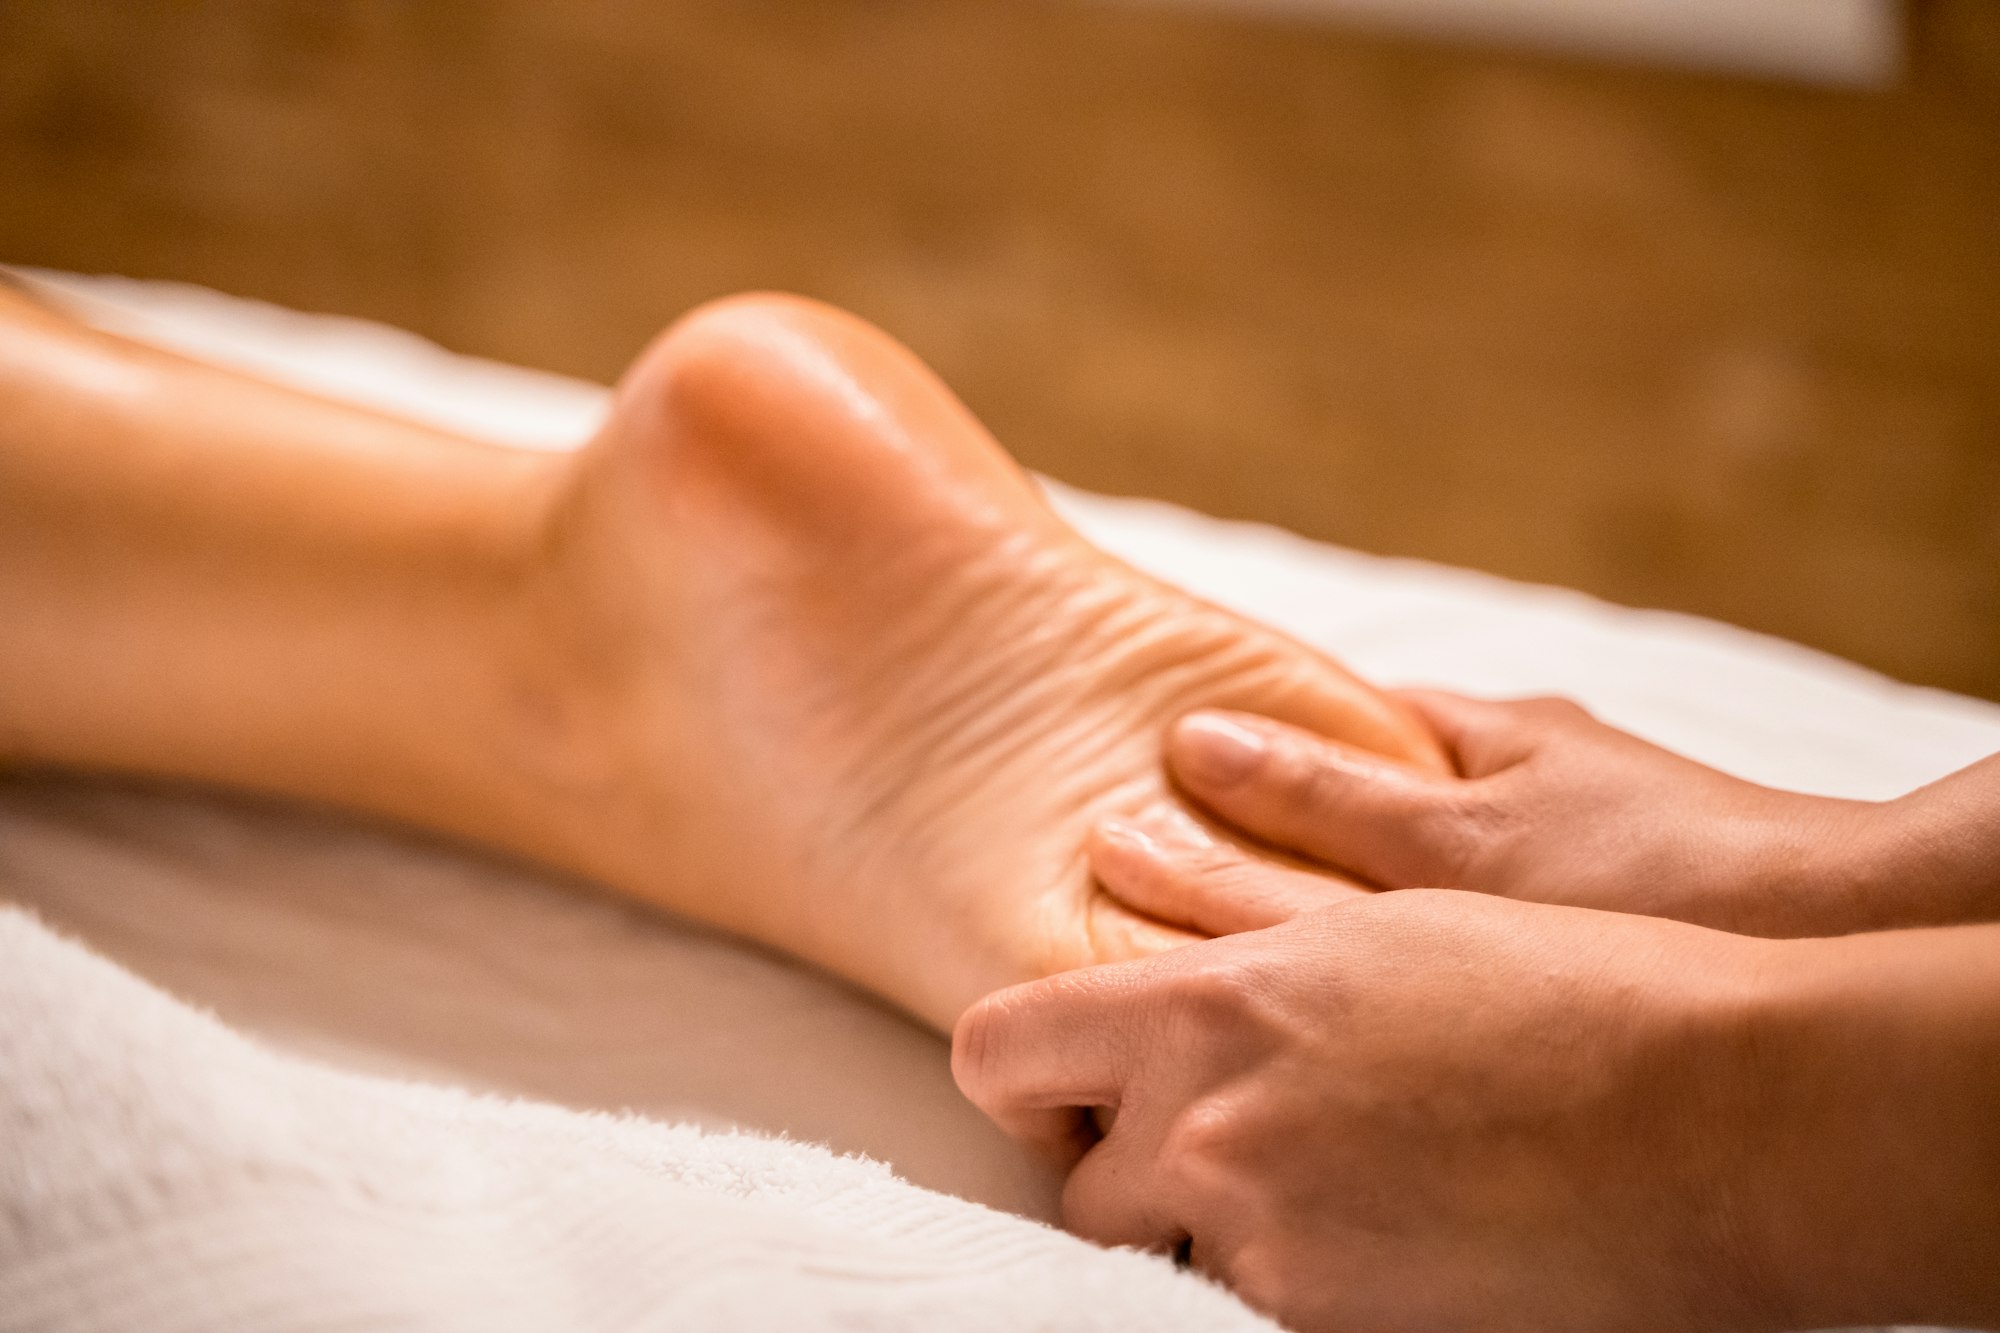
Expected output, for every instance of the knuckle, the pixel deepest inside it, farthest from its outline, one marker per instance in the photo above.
(1463, 834)
(1310, 784)
(1236, 880)
(1211, 860)
(1201, 1139)
(1453, 835)
(1214, 992)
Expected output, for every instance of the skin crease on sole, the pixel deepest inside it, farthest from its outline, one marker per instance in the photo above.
(919, 688)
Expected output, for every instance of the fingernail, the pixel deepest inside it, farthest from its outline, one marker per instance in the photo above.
(1170, 827)
(1160, 832)
(1125, 836)
(1215, 752)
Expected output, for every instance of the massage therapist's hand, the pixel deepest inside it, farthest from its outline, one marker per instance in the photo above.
(1554, 806)
(1415, 1110)
(1442, 1110)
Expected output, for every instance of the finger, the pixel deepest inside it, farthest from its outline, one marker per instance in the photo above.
(1168, 867)
(1117, 1195)
(1121, 930)
(1031, 1056)
(1385, 823)
(1485, 736)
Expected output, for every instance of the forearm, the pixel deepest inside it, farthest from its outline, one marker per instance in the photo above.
(1940, 847)
(1931, 858)
(207, 576)
(1873, 1177)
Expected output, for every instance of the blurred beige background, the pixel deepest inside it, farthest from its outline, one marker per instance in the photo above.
(1715, 343)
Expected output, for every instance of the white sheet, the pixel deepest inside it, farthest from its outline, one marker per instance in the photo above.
(383, 950)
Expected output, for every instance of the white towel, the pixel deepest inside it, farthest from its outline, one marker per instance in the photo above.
(159, 1172)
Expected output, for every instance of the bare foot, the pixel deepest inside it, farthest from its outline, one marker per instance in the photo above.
(865, 694)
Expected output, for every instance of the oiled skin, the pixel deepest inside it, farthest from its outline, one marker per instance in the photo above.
(919, 689)
(792, 647)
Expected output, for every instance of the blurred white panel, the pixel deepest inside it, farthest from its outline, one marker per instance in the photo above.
(1833, 41)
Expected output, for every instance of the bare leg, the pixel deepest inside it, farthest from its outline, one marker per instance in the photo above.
(203, 575)
(791, 647)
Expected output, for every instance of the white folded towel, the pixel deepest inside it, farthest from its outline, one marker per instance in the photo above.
(160, 1172)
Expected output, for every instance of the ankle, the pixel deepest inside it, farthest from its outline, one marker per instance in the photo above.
(544, 720)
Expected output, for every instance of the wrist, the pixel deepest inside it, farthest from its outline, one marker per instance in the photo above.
(1862, 1179)
(1925, 859)
(1722, 1007)
(1938, 850)
(1822, 866)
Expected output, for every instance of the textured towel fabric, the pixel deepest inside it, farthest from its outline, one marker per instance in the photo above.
(160, 1172)
(382, 951)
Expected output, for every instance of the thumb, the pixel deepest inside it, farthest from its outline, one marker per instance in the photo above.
(1484, 736)
(1371, 817)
